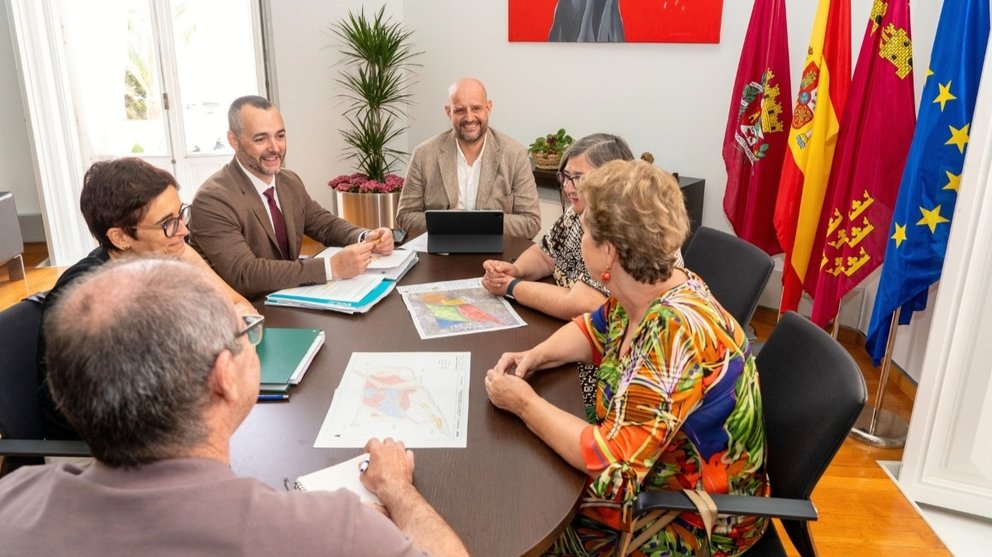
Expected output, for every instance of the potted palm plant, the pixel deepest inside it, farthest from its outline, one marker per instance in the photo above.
(377, 57)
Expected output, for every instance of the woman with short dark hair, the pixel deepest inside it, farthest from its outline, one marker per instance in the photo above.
(132, 208)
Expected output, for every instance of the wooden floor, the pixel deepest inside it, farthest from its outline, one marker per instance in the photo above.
(862, 512)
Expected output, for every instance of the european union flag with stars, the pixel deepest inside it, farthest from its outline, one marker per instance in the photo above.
(921, 222)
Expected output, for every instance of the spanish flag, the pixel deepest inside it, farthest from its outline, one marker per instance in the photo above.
(875, 133)
(813, 135)
(755, 140)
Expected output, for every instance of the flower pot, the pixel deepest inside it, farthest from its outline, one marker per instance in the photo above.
(369, 210)
(545, 161)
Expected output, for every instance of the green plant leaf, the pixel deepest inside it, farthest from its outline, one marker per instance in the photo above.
(378, 59)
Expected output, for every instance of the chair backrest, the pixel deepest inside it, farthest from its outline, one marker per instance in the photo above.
(735, 270)
(812, 392)
(19, 414)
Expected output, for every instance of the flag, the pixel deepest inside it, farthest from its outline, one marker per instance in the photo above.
(872, 146)
(755, 140)
(812, 137)
(921, 222)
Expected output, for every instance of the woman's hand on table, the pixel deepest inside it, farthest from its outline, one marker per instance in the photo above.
(498, 276)
(507, 391)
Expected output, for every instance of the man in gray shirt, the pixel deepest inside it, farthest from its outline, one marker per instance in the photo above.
(156, 369)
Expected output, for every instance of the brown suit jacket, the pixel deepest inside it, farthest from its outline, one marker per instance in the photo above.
(230, 228)
(506, 183)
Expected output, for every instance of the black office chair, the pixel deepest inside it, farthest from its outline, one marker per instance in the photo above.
(812, 392)
(735, 270)
(21, 431)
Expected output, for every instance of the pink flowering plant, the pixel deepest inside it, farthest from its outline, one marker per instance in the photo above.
(361, 183)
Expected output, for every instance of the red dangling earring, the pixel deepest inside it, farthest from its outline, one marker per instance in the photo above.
(605, 276)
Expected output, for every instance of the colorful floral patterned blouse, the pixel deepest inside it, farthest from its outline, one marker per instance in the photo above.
(563, 244)
(681, 410)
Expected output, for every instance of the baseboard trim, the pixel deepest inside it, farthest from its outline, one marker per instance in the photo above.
(32, 227)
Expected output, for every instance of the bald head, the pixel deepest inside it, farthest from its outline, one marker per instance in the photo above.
(467, 86)
(468, 109)
(130, 348)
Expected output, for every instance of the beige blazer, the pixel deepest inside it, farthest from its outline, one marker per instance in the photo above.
(506, 183)
(230, 227)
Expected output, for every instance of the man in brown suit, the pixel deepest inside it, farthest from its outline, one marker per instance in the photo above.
(471, 167)
(249, 218)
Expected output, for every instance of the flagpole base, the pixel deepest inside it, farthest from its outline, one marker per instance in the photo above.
(890, 430)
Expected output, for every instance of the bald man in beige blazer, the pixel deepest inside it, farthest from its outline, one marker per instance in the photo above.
(471, 166)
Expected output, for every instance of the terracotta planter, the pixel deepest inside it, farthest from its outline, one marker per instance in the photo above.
(369, 210)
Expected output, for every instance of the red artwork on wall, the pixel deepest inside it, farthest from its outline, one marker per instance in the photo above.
(632, 21)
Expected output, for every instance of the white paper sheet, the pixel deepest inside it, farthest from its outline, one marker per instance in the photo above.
(457, 307)
(395, 259)
(345, 475)
(340, 290)
(420, 398)
(417, 244)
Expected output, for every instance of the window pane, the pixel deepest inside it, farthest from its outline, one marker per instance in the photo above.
(215, 59)
(118, 100)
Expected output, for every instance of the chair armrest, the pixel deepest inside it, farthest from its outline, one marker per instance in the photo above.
(790, 509)
(42, 447)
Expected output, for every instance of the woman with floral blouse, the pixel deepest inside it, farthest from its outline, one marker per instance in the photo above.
(677, 401)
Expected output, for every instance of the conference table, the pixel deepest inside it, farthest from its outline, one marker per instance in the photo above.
(506, 493)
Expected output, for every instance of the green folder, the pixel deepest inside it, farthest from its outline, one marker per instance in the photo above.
(285, 355)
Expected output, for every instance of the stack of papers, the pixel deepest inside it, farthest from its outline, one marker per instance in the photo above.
(285, 356)
(391, 267)
(354, 295)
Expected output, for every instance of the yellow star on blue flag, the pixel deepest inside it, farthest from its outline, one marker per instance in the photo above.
(914, 255)
(944, 95)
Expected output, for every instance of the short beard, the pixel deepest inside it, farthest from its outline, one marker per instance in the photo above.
(466, 139)
(256, 164)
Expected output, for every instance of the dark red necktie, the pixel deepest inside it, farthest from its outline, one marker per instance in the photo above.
(278, 224)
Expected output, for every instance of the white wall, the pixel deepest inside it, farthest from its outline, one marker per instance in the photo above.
(670, 99)
(304, 57)
(16, 167)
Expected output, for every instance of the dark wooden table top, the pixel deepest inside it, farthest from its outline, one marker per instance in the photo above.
(506, 493)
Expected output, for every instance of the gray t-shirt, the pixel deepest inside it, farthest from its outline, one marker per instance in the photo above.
(184, 507)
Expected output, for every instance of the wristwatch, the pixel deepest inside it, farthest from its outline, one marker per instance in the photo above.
(509, 289)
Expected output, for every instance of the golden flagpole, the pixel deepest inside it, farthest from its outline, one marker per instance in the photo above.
(876, 426)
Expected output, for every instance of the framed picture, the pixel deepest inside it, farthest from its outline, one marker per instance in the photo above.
(632, 21)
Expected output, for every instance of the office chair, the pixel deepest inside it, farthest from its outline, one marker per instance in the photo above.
(21, 434)
(812, 392)
(735, 270)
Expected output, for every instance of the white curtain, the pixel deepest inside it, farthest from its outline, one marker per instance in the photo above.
(96, 32)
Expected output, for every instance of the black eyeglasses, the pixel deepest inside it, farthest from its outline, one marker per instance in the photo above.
(171, 225)
(565, 178)
(253, 328)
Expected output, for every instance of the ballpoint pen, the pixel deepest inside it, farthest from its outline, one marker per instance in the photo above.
(272, 397)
